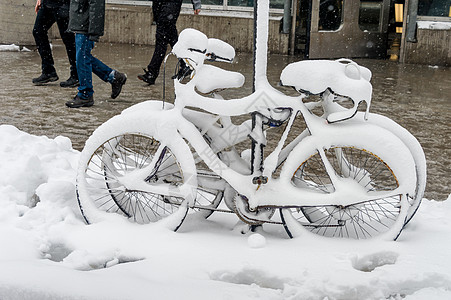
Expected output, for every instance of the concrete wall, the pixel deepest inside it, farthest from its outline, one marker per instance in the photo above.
(433, 47)
(133, 24)
(16, 22)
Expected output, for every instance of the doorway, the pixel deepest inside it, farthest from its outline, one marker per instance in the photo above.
(342, 28)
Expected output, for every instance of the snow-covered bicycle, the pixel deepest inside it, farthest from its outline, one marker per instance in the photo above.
(348, 174)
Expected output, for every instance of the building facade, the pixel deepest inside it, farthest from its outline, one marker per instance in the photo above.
(415, 31)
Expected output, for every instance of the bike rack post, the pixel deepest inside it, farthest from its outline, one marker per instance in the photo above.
(261, 22)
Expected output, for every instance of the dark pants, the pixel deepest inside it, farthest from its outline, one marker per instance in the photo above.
(46, 17)
(165, 15)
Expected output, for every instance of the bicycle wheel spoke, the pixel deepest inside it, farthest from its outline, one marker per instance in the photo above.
(362, 220)
(123, 154)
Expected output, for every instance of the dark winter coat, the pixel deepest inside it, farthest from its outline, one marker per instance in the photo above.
(55, 2)
(87, 17)
(196, 3)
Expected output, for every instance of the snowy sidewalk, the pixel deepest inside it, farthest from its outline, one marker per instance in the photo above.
(47, 252)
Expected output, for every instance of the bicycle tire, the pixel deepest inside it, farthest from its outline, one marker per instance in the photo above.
(362, 220)
(417, 153)
(119, 147)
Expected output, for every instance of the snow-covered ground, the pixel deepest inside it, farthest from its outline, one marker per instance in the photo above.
(434, 25)
(47, 251)
(14, 48)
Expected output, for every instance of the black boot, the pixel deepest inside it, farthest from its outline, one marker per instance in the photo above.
(45, 78)
(116, 86)
(80, 102)
(71, 82)
(147, 77)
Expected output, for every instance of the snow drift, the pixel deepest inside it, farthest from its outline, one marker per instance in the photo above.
(47, 252)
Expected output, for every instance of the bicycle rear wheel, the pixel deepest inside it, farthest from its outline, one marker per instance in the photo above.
(417, 153)
(383, 215)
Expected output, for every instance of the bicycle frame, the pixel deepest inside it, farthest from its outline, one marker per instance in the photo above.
(263, 195)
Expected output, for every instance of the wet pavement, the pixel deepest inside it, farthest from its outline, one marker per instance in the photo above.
(417, 97)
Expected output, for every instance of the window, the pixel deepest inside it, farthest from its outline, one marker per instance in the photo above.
(246, 5)
(434, 8)
(236, 4)
(370, 15)
(208, 2)
(330, 15)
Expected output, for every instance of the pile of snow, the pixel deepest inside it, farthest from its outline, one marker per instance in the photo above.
(434, 25)
(13, 48)
(47, 252)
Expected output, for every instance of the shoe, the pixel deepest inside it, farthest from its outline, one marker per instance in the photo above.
(183, 72)
(45, 78)
(69, 83)
(80, 102)
(116, 86)
(147, 77)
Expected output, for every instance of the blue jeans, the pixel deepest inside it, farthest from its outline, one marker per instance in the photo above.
(86, 64)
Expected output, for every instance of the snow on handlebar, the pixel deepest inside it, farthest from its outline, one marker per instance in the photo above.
(220, 51)
(195, 47)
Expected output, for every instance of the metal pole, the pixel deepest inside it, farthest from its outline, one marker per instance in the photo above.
(255, 44)
(261, 23)
(409, 27)
(286, 16)
(412, 21)
(293, 26)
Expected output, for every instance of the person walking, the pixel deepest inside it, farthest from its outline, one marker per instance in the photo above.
(87, 20)
(47, 13)
(165, 14)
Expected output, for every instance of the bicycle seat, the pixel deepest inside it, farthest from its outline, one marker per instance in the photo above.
(210, 78)
(343, 77)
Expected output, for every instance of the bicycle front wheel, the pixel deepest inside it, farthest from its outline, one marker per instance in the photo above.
(113, 154)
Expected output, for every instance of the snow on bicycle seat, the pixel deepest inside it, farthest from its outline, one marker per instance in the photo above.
(343, 76)
(210, 78)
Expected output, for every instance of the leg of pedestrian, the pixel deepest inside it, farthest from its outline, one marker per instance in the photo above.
(85, 95)
(44, 20)
(62, 20)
